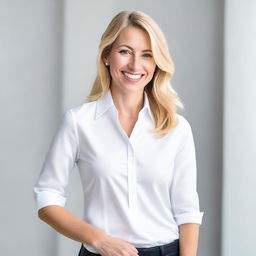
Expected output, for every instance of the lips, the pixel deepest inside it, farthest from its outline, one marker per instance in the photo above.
(132, 76)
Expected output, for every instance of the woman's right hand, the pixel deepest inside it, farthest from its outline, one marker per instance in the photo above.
(111, 246)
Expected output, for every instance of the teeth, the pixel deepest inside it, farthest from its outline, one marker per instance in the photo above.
(132, 76)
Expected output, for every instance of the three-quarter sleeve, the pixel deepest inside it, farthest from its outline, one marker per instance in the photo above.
(59, 161)
(183, 191)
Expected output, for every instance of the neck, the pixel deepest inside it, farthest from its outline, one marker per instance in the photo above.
(127, 104)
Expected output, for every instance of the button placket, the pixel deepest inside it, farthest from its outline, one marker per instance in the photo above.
(131, 161)
(132, 184)
(132, 174)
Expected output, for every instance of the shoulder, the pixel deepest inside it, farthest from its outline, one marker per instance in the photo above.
(183, 123)
(83, 111)
(184, 133)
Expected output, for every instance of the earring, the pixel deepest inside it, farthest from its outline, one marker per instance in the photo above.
(106, 64)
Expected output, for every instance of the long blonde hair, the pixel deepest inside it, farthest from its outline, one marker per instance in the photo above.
(163, 99)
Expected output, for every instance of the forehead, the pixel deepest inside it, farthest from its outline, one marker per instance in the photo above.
(134, 37)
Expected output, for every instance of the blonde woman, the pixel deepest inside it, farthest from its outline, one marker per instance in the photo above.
(135, 154)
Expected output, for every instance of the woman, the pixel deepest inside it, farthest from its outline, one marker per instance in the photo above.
(135, 154)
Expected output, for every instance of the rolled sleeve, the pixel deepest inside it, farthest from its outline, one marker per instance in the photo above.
(59, 161)
(183, 192)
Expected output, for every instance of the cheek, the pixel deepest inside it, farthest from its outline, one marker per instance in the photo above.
(151, 67)
(118, 61)
(115, 69)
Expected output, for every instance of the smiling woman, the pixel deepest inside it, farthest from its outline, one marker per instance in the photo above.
(139, 190)
(133, 44)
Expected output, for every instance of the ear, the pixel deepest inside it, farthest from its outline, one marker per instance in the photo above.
(105, 59)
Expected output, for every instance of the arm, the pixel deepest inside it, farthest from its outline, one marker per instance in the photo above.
(183, 192)
(68, 225)
(188, 243)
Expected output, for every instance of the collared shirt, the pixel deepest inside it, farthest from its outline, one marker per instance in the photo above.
(138, 188)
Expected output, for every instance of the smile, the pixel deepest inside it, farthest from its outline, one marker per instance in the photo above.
(132, 77)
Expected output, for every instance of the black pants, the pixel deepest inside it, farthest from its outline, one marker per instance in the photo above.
(171, 249)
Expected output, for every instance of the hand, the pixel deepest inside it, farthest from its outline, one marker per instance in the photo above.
(110, 246)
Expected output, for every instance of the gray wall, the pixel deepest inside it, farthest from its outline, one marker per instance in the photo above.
(48, 64)
(30, 103)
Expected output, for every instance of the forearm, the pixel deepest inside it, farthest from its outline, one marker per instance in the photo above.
(189, 234)
(70, 226)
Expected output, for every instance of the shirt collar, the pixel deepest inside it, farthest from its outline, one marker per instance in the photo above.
(105, 102)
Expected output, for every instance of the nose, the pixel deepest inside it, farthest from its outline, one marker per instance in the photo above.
(134, 63)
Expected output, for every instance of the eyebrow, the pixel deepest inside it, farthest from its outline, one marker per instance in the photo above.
(148, 50)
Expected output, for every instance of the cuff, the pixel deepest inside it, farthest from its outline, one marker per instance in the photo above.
(45, 198)
(189, 217)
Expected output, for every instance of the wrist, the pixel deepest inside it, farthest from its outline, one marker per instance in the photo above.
(98, 239)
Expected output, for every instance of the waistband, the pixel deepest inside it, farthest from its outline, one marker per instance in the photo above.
(160, 250)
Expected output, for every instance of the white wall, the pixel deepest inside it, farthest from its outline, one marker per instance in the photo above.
(239, 176)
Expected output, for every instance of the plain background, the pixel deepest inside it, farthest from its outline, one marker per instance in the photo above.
(48, 63)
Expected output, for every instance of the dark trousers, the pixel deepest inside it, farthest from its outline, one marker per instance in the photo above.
(171, 249)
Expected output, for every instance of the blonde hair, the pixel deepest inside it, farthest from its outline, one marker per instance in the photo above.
(163, 99)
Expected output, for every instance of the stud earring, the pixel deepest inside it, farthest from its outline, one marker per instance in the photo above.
(106, 64)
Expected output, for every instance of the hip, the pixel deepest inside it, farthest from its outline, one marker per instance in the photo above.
(170, 249)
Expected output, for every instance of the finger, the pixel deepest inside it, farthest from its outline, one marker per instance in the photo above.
(133, 249)
(131, 252)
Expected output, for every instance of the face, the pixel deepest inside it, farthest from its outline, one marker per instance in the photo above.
(131, 61)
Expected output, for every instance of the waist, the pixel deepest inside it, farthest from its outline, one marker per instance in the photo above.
(160, 250)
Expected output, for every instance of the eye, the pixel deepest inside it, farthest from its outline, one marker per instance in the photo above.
(124, 51)
(147, 55)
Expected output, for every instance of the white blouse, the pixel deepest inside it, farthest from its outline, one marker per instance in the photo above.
(137, 188)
